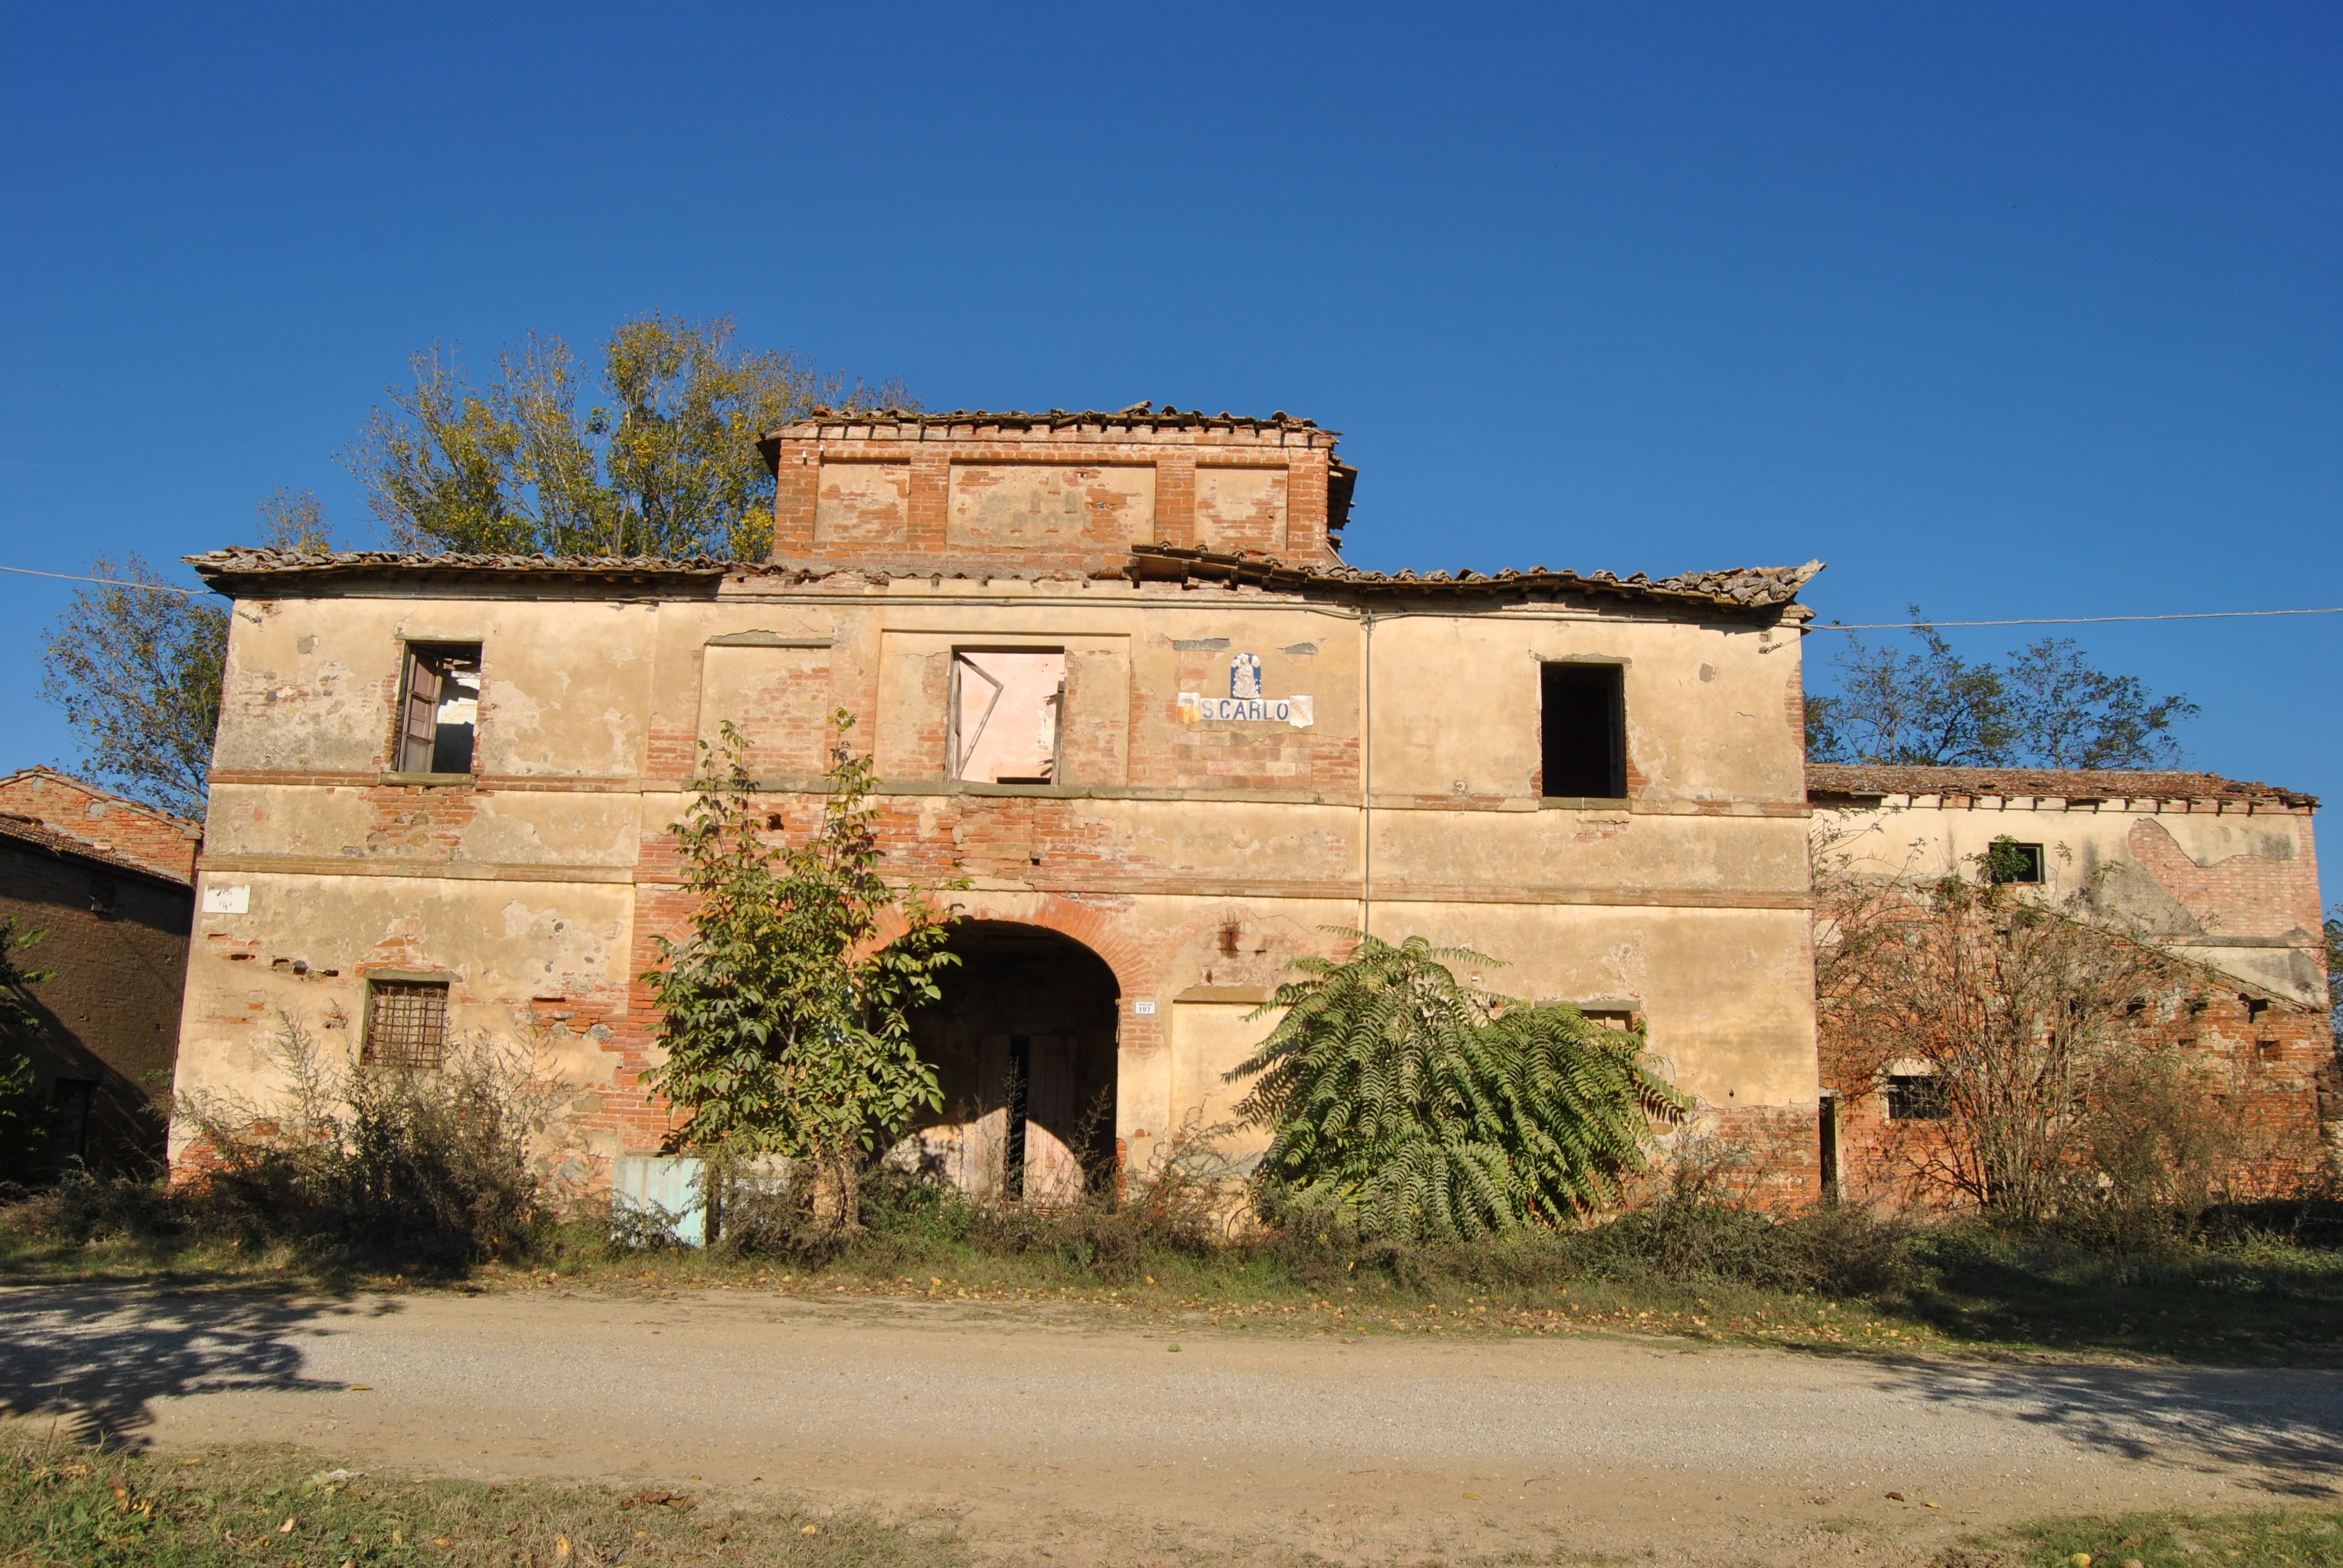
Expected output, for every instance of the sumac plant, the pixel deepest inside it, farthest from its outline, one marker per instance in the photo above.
(1424, 1108)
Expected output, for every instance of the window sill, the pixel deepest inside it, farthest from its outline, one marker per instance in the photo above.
(432, 781)
(971, 787)
(1582, 803)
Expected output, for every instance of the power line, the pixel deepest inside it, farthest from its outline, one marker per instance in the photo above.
(109, 582)
(2064, 619)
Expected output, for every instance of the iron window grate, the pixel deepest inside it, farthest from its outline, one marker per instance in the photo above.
(407, 1024)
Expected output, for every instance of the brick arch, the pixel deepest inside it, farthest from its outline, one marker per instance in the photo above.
(1093, 927)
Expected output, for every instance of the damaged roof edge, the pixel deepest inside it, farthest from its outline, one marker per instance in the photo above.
(1737, 589)
(261, 572)
(243, 567)
(1872, 780)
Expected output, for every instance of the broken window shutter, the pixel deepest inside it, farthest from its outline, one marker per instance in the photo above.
(421, 725)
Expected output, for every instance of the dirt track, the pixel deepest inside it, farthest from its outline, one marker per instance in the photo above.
(1076, 1436)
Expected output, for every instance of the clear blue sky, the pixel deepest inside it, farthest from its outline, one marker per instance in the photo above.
(2008, 310)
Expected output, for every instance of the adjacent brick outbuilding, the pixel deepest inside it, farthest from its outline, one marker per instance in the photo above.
(110, 884)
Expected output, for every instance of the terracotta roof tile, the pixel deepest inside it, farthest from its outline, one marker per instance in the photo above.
(1872, 779)
(1742, 589)
(26, 830)
(1166, 417)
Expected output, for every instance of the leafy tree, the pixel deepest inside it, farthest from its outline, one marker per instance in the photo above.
(2046, 708)
(786, 1022)
(23, 1126)
(295, 520)
(136, 664)
(2334, 930)
(1424, 1107)
(654, 454)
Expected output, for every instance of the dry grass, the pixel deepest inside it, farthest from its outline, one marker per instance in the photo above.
(61, 1504)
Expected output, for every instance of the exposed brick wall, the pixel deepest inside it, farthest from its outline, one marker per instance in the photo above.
(2240, 896)
(2271, 1066)
(116, 944)
(139, 833)
(888, 496)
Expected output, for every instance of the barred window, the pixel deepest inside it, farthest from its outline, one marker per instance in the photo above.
(1915, 1097)
(407, 1024)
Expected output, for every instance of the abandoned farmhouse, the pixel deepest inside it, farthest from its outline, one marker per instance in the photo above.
(1114, 673)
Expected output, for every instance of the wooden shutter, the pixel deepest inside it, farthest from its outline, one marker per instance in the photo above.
(419, 724)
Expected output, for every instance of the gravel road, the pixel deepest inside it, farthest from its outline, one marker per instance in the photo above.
(1082, 1438)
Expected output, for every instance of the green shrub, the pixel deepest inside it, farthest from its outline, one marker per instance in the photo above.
(1427, 1109)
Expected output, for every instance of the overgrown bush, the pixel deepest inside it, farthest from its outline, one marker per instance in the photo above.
(429, 1167)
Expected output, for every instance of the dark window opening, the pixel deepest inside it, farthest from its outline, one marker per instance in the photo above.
(1914, 1097)
(1583, 731)
(2011, 861)
(439, 708)
(407, 1024)
(1828, 1128)
(102, 897)
(2254, 1008)
(2270, 1050)
(1020, 1073)
(70, 1100)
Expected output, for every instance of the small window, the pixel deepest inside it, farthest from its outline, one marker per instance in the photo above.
(407, 1024)
(1583, 731)
(1006, 713)
(2011, 861)
(439, 709)
(1914, 1097)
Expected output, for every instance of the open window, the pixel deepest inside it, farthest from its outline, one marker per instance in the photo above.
(2010, 861)
(1008, 708)
(439, 707)
(407, 1024)
(1582, 731)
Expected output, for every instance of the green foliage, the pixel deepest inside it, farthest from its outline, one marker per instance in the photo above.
(655, 455)
(136, 664)
(1418, 1105)
(787, 1021)
(24, 1124)
(2046, 707)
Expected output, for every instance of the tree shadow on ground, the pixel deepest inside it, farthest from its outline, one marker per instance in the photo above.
(95, 1359)
(2284, 1426)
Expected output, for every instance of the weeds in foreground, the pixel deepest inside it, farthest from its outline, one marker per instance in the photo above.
(94, 1508)
(2250, 1285)
(2264, 1538)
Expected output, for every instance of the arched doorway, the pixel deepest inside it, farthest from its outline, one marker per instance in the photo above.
(1024, 1043)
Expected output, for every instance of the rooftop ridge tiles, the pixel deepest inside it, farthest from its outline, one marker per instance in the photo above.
(1136, 414)
(2063, 783)
(1740, 587)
